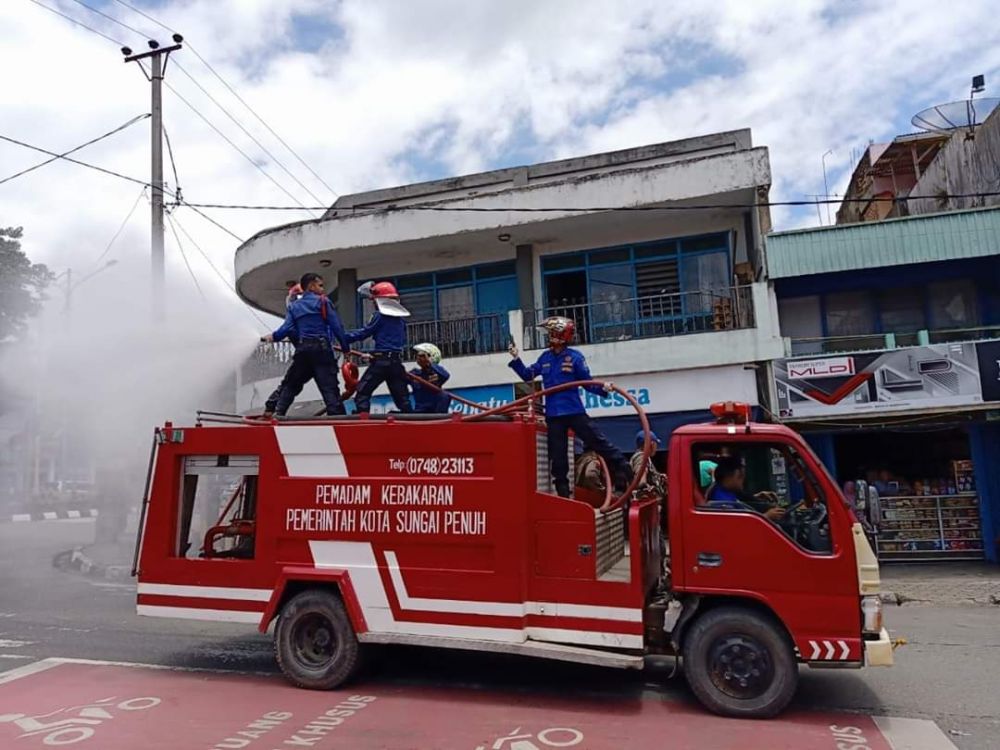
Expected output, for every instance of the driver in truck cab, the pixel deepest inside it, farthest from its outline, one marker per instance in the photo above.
(728, 493)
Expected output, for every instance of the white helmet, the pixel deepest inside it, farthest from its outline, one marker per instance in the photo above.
(430, 350)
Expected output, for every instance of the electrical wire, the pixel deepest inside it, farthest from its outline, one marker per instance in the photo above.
(180, 246)
(180, 201)
(122, 227)
(120, 128)
(78, 23)
(219, 273)
(173, 165)
(233, 91)
(111, 18)
(249, 135)
(241, 152)
(587, 209)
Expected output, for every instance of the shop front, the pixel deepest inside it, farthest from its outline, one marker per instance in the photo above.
(912, 437)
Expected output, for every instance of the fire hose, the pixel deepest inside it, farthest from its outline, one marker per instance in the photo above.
(610, 501)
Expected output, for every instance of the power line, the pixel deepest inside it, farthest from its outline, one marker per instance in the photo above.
(210, 97)
(173, 165)
(220, 274)
(175, 196)
(580, 209)
(122, 227)
(235, 94)
(249, 135)
(78, 23)
(73, 150)
(111, 18)
(180, 246)
(237, 148)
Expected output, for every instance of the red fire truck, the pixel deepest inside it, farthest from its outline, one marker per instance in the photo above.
(348, 532)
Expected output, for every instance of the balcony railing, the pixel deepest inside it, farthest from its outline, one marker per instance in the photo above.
(881, 341)
(482, 334)
(653, 316)
(459, 337)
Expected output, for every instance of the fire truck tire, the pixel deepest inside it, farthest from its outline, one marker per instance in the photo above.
(314, 641)
(740, 663)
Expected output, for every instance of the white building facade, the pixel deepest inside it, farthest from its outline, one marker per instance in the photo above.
(655, 253)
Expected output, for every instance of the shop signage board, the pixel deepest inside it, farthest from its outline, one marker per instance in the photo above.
(920, 377)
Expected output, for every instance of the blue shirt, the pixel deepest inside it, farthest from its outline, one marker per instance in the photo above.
(723, 499)
(556, 369)
(304, 320)
(426, 400)
(388, 332)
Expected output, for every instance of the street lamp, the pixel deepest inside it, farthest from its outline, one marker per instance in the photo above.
(70, 286)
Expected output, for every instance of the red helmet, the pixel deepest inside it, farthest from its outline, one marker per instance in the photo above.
(560, 329)
(384, 289)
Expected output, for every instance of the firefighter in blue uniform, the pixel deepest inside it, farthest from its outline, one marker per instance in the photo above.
(564, 410)
(294, 292)
(388, 330)
(313, 322)
(427, 400)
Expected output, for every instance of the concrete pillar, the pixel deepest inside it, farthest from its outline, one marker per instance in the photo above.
(525, 277)
(347, 296)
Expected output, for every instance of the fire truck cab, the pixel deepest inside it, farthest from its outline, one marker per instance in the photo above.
(446, 532)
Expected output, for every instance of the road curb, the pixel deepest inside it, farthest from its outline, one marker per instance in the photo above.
(77, 560)
(49, 515)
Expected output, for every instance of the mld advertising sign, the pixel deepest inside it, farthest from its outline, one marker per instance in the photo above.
(920, 377)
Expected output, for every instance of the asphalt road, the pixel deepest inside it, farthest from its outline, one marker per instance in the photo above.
(948, 673)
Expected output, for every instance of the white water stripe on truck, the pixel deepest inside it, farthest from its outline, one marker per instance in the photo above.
(205, 592)
(311, 451)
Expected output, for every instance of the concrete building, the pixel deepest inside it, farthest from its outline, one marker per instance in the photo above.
(893, 329)
(655, 252)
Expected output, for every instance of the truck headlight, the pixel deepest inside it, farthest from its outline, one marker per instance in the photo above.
(871, 615)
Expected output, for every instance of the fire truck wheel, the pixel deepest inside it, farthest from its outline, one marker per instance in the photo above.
(740, 663)
(314, 641)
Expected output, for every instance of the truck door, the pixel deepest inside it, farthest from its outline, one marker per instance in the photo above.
(799, 561)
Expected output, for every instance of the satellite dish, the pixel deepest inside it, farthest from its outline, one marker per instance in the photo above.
(964, 115)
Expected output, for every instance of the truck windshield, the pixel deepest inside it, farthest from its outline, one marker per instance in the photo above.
(218, 507)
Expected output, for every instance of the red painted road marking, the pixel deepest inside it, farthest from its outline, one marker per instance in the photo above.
(96, 706)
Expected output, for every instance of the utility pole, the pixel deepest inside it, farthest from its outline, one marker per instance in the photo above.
(158, 59)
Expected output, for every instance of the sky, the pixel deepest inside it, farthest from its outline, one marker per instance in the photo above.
(374, 94)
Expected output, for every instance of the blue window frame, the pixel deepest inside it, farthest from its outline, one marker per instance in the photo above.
(639, 290)
(459, 309)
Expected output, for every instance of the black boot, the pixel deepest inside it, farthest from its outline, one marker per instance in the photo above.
(562, 488)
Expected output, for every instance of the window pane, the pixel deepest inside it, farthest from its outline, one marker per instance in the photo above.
(953, 304)
(657, 286)
(611, 303)
(454, 277)
(456, 303)
(416, 281)
(801, 320)
(560, 262)
(656, 251)
(709, 242)
(495, 270)
(420, 305)
(704, 279)
(849, 314)
(902, 310)
(609, 256)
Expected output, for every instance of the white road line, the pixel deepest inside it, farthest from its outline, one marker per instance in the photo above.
(15, 656)
(4, 643)
(28, 669)
(50, 515)
(912, 734)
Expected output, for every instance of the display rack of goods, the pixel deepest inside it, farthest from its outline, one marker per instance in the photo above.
(930, 526)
